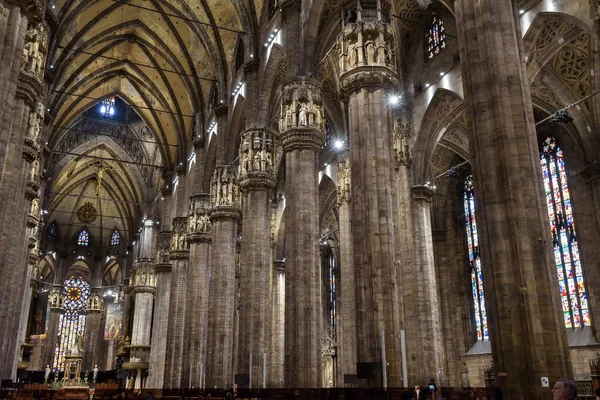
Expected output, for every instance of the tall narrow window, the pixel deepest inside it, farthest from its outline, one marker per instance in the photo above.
(332, 293)
(435, 37)
(83, 238)
(475, 261)
(564, 239)
(52, 231)
(71, 323)
(115, 239)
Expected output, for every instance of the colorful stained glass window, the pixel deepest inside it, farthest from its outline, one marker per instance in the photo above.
(569, 269)
(52, 231)
(435, 37)
(71, 323)
(115, 239)
(481, 324)
(107, 107)
(332, 293)
(83, 238)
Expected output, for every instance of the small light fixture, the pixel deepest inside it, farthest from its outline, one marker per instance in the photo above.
(394, 100)
(339, 144)
(427, 85)
(442, 74)
(521, 12)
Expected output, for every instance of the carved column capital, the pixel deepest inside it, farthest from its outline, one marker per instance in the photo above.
(225, 194)
(366, 56)
(143, 278)
(33, 9)
(199, 225)
(257, 155)
(179, 235)
(163, 244)
(422, 192)
(95, 301)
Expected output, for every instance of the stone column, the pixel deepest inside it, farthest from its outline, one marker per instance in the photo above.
(225, 216)
(423, 321)
(527, 332)
(256, 183)
(346, 356)
(302, 136)
(277, 361)
(162, 269)
(199, 239)
(93, 332)
(179, 256)
(367, 81)
(56, 308)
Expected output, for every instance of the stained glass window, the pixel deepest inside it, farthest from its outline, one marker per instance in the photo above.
(52, 231)
(83, 239)
(332, 293)
(435, 37)
(475, 261)
(107, 107)
(564, 239)
(71, 323)
(115, 239)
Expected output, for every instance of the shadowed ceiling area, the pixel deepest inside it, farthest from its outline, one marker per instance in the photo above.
(162, 60)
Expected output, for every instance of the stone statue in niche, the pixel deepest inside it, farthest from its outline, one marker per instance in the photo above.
(34, 51)
(318, 117)
(35, 207)
(257, 162)
(352, 54)
(289, 117)
(245, 162)
(303, 115)
(370, 50)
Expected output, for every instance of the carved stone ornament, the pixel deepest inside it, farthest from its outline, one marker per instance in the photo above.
(199, 225)
(343, 181)
(403, 143)
(143, 277)
(367, 56)
(422, 192)
(224, 189)
(302, 106)
(87, 213)
(163, 243)
(257, 155)
(55, 298)
(33, 9)
(178, 238)
(95, 301)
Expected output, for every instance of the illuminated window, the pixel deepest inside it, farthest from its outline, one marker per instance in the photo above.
(435, 37)
(569, 269)
(115, 239)
(71, 323)
(481, 324)
(83, 239)
(52, 231)
(107, 107)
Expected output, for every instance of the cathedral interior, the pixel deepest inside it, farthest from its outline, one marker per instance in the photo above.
(300, 193)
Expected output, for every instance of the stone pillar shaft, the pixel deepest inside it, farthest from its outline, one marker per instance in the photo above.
(302, 137)
(277, 361)
(515, 250)
(346, 357)
(179, 256)
(224, 217)
(199, 239)
(256, 183)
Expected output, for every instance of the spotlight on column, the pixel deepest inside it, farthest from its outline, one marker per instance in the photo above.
(339, 144)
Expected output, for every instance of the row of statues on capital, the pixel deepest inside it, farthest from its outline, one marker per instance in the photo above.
(143, 276)
(355, 53)
(178, 237)
(224, 188)
(257, 153)
(34, 54)
(301, 114)
(199, 221)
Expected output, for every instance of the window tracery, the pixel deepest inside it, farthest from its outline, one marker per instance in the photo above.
(481, 324)
(115, 239)
(52, 231)
(107, 107)
(569, 268)
(435, 36)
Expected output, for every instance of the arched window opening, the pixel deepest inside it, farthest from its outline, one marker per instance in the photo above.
(481, 324)
(71, 323)
(435, 38)
(107, 107)
(569, 268)
(329, 274)
(52, 231)
(83, 239)
(115, 239)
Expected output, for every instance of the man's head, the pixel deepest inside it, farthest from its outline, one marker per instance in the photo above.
(564, 389)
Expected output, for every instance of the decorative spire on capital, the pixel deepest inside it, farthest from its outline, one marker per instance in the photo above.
(257, 154)
(367, 52)
(199, 225)
(302, 122)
